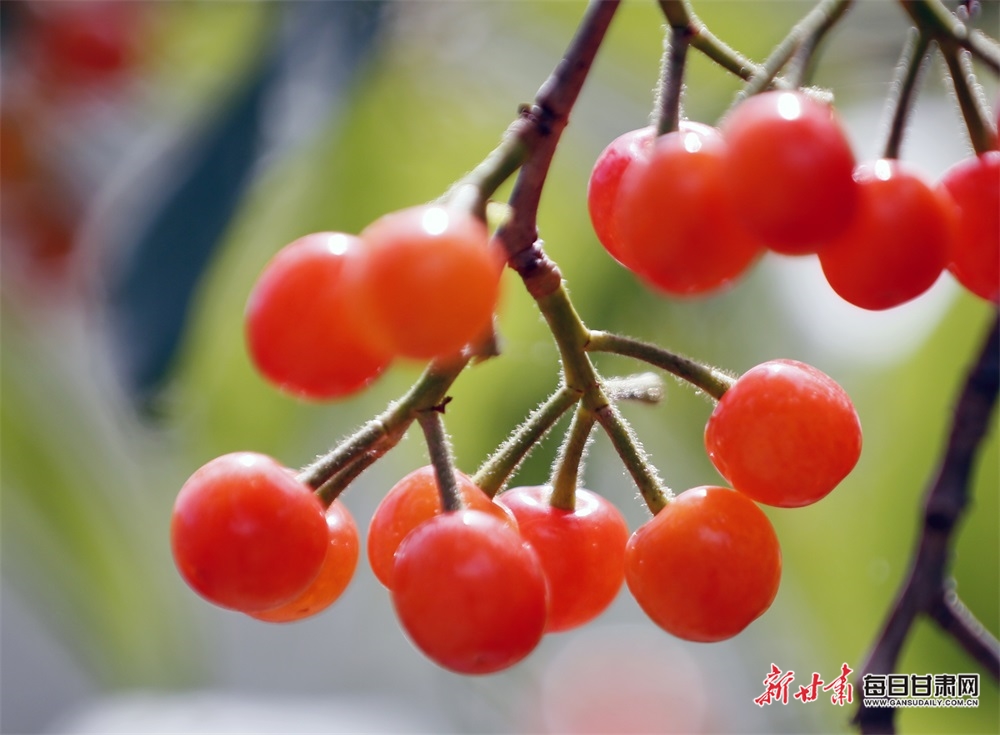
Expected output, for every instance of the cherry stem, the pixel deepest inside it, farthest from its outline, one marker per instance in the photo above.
(569, 463)
(348, 451)
(807, 32)
(970, 101)
(679, 14)
(934, 19)
(909, 71)
(712, 381)
(493, 475)
(385, 431)
(668, 104)
(802, 60)
(439, 449)
(573, 340)
(332, 488)
(643, 472)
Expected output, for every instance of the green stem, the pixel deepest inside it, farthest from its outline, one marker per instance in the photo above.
(668, 107)
(386, 430)
(981, 133)
(709, 379)
(332, 488)
(936, 22)
(571, 336)
(492, 476)
(808, 30)
(678, 13)
(566, 474)
(908, 73)
(440, 455)
(805, 54)
(634, 458)
(934, 19)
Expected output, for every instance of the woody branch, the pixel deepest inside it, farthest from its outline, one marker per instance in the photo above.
(928, 589)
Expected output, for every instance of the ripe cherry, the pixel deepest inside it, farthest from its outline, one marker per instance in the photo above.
(246, 535)
(302, 329)
(706, 566)
(789, 170)
(605, 179)
(974, 185)
(469, 592)
(784, 434)
(898, 242)
(334, 576)
(411, 501)
(582, 551)
(428, 283)
(674, 224)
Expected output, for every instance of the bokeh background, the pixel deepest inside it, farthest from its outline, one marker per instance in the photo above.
(155, 155)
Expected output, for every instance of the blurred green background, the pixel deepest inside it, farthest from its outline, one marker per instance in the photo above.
(123, 366)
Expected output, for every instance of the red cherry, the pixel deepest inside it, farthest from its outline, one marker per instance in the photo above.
(706, 566)
(469, 592)
(246, 535)
(582, 551)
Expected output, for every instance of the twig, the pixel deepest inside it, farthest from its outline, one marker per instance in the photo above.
(679, 14)
(926, 590)
(810, 30)
(909, 71)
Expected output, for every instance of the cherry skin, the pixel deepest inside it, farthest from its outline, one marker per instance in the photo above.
(428, 283)
(676, 227)
(789, 170)
(411, 501)
(974, 186)
(706, 566)
(582, 551)
(605, 180)
(898, 242)
(338, 567)
(246, 535)
(469, 592)
(784, 434)
(302, 329)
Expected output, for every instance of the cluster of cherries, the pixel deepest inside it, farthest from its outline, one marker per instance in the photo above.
(779, 174)
(476, 588)
(477, 578)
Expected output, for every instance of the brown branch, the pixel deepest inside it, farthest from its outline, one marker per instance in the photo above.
(927, 589)
(958, 621)
(539, 129)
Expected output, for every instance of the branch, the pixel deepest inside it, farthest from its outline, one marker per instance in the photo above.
(926, 590)
(958, 621)
(538, 130)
